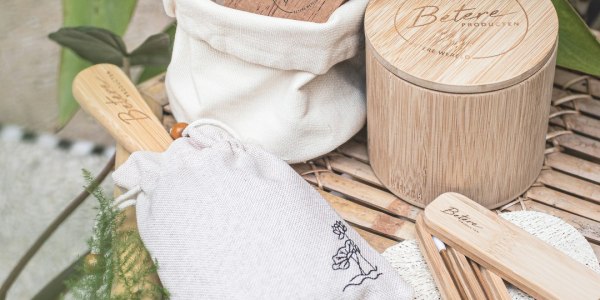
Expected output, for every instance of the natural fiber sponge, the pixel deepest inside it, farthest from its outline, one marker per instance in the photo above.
(409, 262)
(228, 220)
(296, 88)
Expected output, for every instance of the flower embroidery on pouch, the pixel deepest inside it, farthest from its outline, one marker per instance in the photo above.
(350, 253)
(339, 229)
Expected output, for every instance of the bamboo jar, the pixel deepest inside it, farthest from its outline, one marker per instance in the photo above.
(458, 96)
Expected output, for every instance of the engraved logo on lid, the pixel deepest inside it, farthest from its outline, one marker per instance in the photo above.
(466, 29)
(296, 6)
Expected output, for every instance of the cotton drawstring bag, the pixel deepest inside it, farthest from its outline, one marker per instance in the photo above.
(294, 87)
(228, 220)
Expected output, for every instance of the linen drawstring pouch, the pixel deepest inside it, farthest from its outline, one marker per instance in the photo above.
(294, 87)
(228, 220)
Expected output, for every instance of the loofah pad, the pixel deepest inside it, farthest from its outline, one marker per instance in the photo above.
(407, 259)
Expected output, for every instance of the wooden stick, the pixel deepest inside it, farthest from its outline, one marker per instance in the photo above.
(496, 284)
(468, 277)
(438, 263)
(487, 289)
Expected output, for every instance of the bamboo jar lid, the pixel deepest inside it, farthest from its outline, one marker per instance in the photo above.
(462, 46)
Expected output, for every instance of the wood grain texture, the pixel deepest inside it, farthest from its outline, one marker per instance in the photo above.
(462, 46)
(564, 76)
(585, 104)
(574, 166)
(495, 284)
(566, 183)
(581, 146)
(525, 261)
(487, 146)
(440, 273)
(378, 222)
(106, 93)
(376, 241)
(579, 123)
(129, 223)
(472, 286)
(565, 202)
(363, 194)
(317, 11)
(358, 169)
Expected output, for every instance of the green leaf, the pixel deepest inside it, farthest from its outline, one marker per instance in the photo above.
(93, 44)
(151, 71)
(578, 49)
(154, 51)
(113, 15)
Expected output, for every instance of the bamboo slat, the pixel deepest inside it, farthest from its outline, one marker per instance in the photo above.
(579, 123)
(570, 185)
(353, 167)
(378, 242)
(356, 150)
(575, 166)
(565, 202)
(365, 195)
(562, 77)
(581, 146)
(378, 222)
(584, 103)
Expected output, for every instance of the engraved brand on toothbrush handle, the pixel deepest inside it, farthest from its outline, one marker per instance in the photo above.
(463, 218)
(120, 98)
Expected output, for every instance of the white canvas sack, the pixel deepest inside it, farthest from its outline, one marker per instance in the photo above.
(294, 87)
(228, 220)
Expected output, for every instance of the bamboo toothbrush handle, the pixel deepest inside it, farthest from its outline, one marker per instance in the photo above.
(497, 285)
(440, 272)
(107, 94)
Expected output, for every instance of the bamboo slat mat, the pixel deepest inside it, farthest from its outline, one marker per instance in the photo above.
(568, 186)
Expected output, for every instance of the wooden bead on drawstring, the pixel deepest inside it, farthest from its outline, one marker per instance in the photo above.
(177, 130)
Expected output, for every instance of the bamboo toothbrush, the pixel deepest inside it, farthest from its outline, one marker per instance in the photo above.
(107, 94)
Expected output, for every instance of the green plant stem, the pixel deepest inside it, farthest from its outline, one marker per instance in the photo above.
(14, 273)
(126, 67)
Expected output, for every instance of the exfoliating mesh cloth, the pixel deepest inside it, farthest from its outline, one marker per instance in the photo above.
(409, 262)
